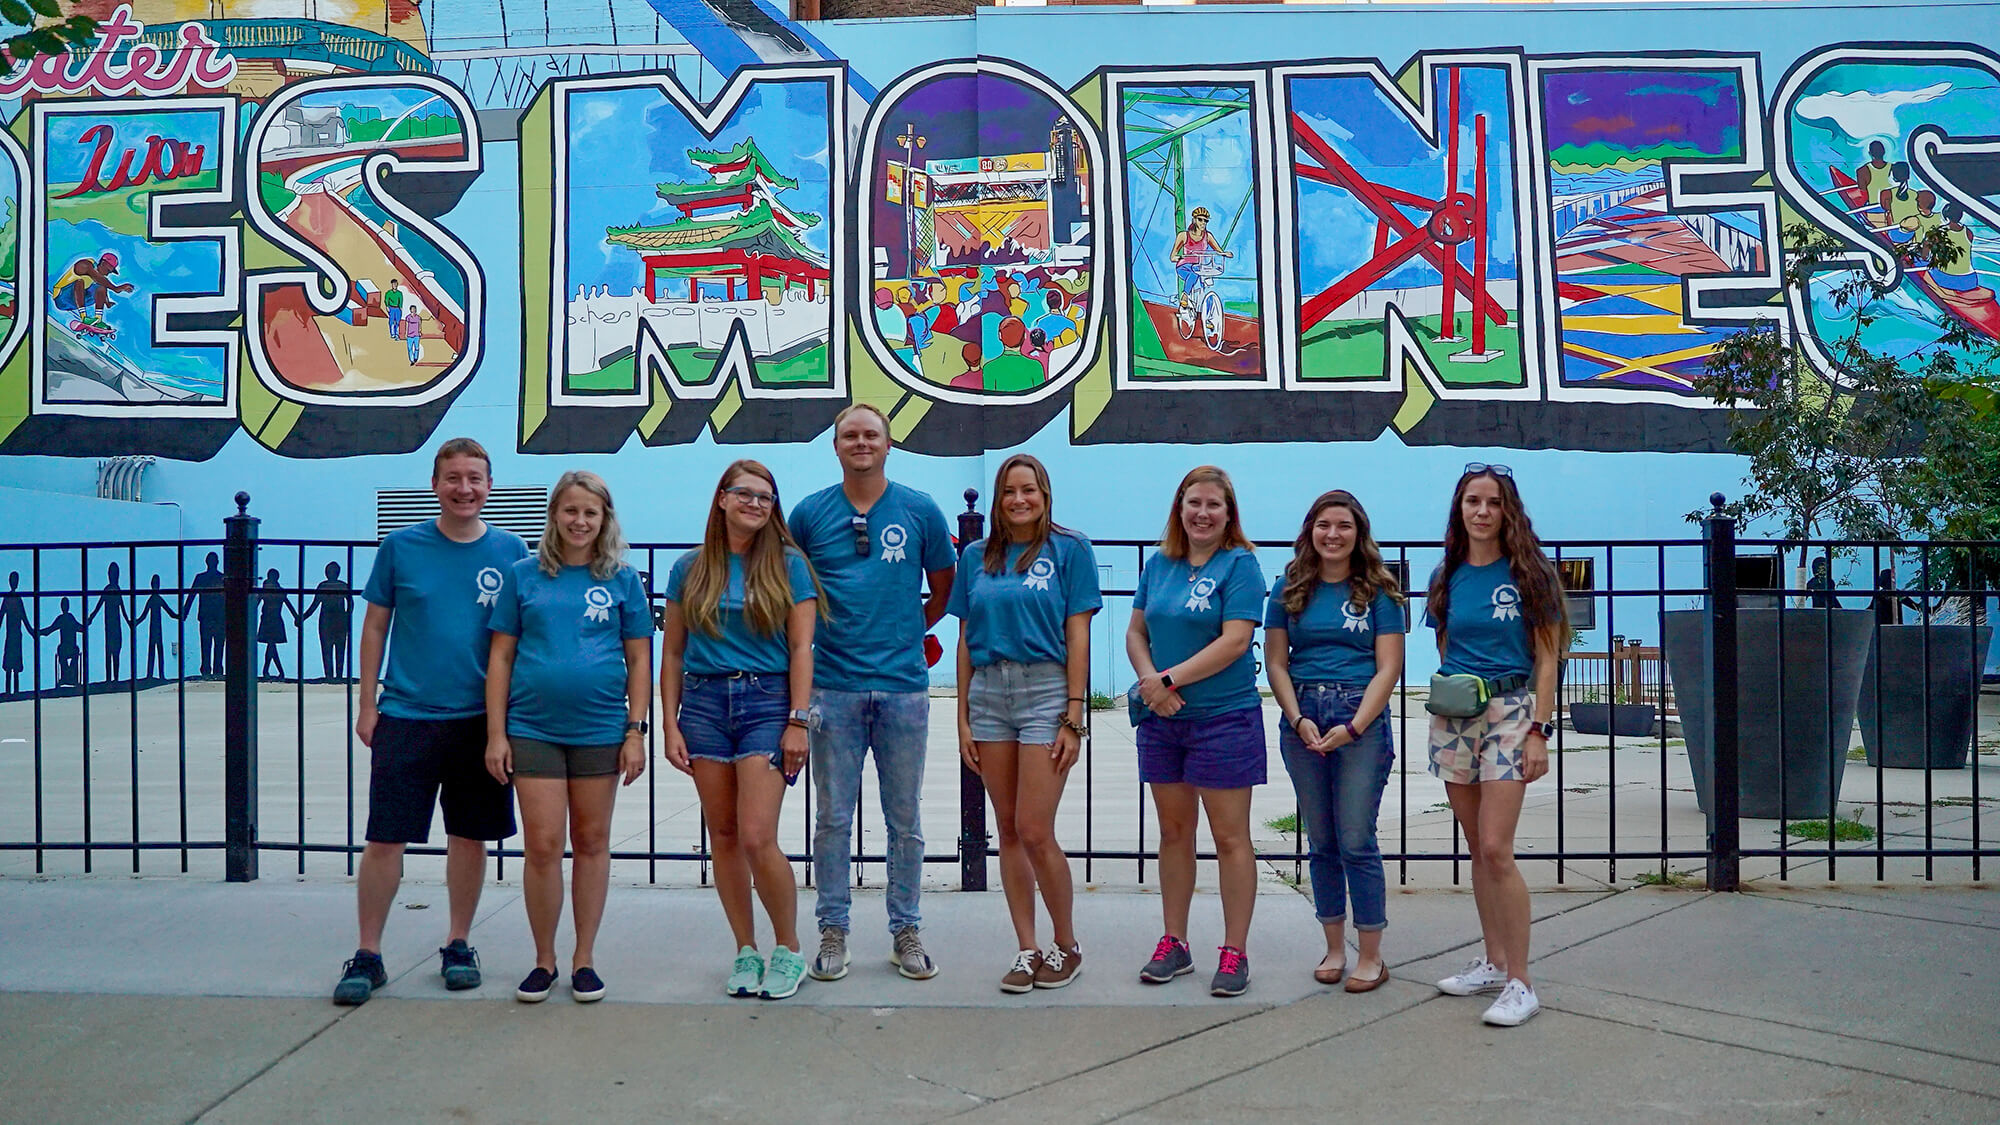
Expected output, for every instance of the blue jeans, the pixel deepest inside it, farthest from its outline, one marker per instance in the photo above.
(1339, 794)
(895, 724)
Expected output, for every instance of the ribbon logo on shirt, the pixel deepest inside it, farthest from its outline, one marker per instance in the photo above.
(1039, 573)
(597, 604)
(489, 585)
(893, 538)
(1506, 602)
(1353, 620)
(1198, 596)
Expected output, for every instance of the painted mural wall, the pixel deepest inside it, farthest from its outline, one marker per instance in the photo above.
(291, 245)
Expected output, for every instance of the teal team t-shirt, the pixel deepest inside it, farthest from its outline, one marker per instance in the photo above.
(740, 648)
(1331, 642)
(873, 638)
(1185, 608)
(569, 670)
(1019, 616)
(441, 593)
(1485, 634)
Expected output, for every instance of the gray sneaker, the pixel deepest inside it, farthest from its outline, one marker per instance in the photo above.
(831, 962)
(910, 958)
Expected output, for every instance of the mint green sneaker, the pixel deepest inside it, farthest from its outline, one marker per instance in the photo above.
(783, 978)
(748, 975)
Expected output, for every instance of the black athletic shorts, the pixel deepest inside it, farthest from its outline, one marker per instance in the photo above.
(412, 760)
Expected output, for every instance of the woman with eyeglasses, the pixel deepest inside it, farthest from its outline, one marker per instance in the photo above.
(736, 689)
(1025, 595)
(1201, 729)
(568, 683)
(1333, 645)
(1497, 605)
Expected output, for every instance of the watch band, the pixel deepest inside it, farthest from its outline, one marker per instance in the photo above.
(639, 727)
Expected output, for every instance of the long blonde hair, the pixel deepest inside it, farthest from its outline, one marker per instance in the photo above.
(607, 554)
(767, 584)
(1174, 543)
(1366, 572)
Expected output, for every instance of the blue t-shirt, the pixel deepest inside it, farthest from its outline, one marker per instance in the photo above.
(569, 670)
(873, 636)
(1485, 634)
(1020, 617)
(740, 648)
(441, 592)
(1331, 642)
(1185, 608)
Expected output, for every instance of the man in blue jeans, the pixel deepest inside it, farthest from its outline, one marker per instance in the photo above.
(874, 544)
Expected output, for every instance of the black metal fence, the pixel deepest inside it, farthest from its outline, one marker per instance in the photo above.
(1728, 678)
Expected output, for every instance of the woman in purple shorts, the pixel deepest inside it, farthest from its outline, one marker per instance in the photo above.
(1201, 730)
(1498, 609)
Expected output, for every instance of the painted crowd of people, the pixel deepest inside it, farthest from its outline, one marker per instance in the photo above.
(523, 679)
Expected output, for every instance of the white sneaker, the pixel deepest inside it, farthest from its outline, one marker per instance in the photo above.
(1478, 976)
(1517, 1004)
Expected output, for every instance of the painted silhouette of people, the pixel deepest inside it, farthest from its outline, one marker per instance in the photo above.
(14, 619)
(333, 600)
(271, 632)
(156, 610)
(69, 654)
(111, 603)
(206, 592)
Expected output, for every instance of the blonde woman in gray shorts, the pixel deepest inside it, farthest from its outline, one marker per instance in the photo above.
(1498, 609)
(1024, 597)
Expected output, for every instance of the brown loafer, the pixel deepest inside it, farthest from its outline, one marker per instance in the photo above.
(1325, 975)
(1356, 984)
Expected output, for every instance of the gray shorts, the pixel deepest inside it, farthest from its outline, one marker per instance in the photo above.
(535, 758)
(1011, 702)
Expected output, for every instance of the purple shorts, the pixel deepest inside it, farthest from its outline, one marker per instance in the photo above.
(1223, 751)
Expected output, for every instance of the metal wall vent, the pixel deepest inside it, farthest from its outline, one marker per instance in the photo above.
(519, 510)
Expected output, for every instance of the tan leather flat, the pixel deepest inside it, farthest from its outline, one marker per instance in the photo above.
(1326, 975)
(1356, 984)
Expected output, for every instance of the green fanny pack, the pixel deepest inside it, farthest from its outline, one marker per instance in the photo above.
(1463, 696)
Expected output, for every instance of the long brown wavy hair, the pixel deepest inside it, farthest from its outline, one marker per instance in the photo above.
(767, 584)
(1365, 572)
(1174, 542)
(1543, 607)
(994, 558)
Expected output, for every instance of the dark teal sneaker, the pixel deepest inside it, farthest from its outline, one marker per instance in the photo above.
(359, 978)
(461, 966)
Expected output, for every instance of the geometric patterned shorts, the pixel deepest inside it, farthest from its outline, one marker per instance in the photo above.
(1486, 747)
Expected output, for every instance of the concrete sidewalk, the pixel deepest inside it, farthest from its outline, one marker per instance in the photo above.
(169, 1000)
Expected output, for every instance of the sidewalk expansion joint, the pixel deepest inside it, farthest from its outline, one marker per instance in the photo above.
(301, 1045)
(1779, 896)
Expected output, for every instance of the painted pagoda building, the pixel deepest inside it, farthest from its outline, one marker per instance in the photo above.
(733, 230)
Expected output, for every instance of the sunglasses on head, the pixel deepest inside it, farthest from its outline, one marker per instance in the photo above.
(1474, 468)
(861, 541)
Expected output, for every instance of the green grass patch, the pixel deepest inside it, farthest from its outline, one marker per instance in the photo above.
(1843, 829)
(1288, 824)
(1665, 879)
(1858, 754)
(1101, 702)
(1354, 351)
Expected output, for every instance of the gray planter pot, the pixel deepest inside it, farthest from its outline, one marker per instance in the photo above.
(1626, 720)
(1794, 718)
(1896, 705)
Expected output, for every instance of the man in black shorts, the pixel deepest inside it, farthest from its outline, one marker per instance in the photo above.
(428, 597)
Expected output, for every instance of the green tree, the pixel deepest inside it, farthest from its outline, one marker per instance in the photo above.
(10, 245)
(38, 27)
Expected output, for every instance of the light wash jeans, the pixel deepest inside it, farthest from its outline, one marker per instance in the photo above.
(1339, 794)
(895, 724)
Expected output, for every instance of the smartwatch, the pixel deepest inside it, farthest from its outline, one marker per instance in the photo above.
(800, 718)
(640, 727)
(1546, 730)
(1167, 680)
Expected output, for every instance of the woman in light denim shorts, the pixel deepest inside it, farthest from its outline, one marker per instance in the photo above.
(1499, 612)
(736, 678)
(1024, 597)
(1333, 638)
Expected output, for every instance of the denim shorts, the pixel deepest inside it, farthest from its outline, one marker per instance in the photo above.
(1223, 751)
(730, 718)
(1013, 702)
